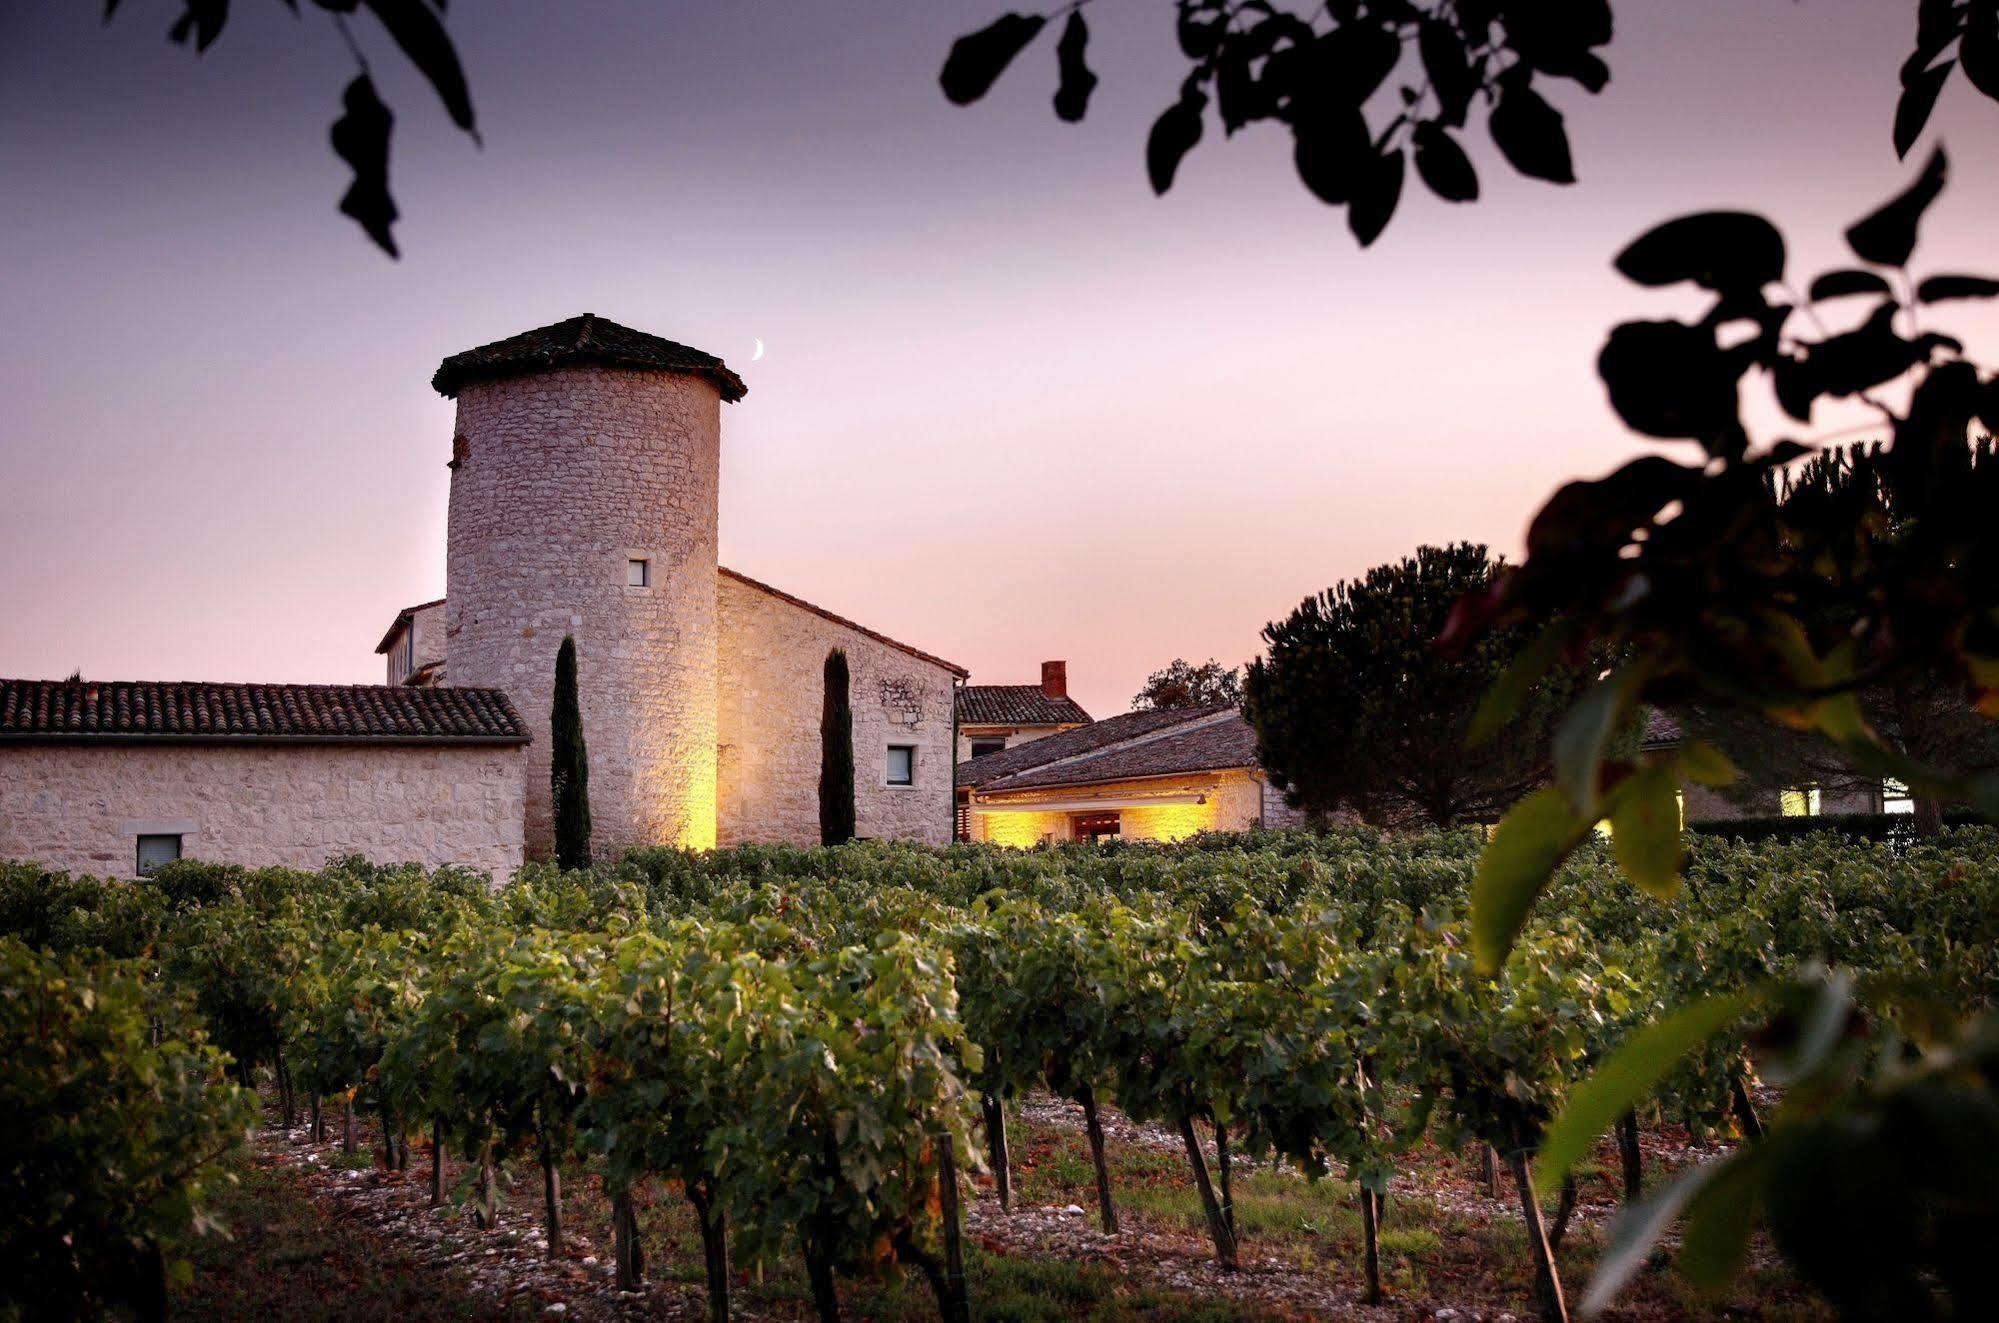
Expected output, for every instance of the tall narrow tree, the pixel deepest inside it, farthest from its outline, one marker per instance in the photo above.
(836, 755)
(569, 769)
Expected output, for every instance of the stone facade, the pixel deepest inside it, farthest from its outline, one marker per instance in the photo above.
(772, 685)
(415, 645)
(561, 478)
(81, 808)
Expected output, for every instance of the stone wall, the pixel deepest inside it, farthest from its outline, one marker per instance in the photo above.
(1235, 802)
(81, 808)
(562, 478)
(771, 688)
(425, 634)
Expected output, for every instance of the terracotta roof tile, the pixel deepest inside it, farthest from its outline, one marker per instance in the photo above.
(1095, 739)
(193, 710)
(1016, 705)
(1209, 747)
(588, 340)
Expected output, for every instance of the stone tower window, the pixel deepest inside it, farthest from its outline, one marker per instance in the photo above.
(638, 572)
(460, 449)
(902, 764)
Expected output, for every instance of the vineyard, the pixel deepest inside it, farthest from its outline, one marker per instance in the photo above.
(816, 1052)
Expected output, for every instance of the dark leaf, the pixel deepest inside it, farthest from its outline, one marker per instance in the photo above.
(1448, 66)
(1173, 136)
(1557, 39)
(1377, 188)
(1590, 71)
(1887, 237)
(1919, 98)
(1239, 97)
(416, 30)
(978, 59)
(1444, 165)
(1841, 284)
(1979, 54)
(1668, 379)
(1938, 23)
(1530, 134)
(1332, 148)
(1938, 289)
(1348, 64)
(1600, 514)
(1200, 31)
(1072, 96)
(361, 138)
(1867, 356)
(1729, 252)
(203, 20)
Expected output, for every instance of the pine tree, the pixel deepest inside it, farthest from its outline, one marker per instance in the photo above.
(569, 770)
(836, 755)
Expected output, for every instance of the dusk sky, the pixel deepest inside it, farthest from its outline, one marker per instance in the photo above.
(1013, 406)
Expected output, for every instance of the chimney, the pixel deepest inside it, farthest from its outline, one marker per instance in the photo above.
(1055, 679)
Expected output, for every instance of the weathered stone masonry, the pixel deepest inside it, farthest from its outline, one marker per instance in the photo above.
(81, 807)
(561, 478)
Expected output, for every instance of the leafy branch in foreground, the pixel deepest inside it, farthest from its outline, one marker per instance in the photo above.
(1718, 590)
(361, 135)
(1324, 74)
(1369, 87)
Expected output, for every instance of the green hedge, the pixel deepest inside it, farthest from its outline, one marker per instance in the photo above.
(1898, 829)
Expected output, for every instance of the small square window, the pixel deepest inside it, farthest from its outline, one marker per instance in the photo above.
(902, 764)
(638, 572)
(1802, 802)
(980, 748)
(157, 850)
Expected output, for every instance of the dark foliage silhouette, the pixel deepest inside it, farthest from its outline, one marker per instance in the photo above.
(1356, 711)
(1368, 87)
(836, 754)
(569, 765)
(1184, 684)
(361, 134)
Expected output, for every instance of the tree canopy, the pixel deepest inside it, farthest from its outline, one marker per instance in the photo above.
(1185, 685)
(1356, 711)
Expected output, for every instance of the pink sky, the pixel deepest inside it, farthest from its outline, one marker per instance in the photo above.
(1013, 407)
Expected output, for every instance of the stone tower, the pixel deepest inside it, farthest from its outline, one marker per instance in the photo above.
(583, 491)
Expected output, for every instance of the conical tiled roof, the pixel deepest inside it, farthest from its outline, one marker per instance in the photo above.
(590, 341)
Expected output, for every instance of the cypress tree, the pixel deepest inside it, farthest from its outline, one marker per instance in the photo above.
(836, 755)
(569, 768)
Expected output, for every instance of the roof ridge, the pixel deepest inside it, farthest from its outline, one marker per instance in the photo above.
(837, 619)
(1131, 742)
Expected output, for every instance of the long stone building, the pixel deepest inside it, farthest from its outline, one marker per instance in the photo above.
(584, 485)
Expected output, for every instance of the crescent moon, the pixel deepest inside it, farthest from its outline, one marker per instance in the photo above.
(760, 350)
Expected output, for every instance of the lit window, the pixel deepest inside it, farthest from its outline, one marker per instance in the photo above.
(1095, 827)
(980, 748)
(1802, 802)
(157, 850)
(902, 764)
(638, 572)
(1895, 798)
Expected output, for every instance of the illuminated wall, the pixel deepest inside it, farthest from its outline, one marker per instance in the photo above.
(1234, 803)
